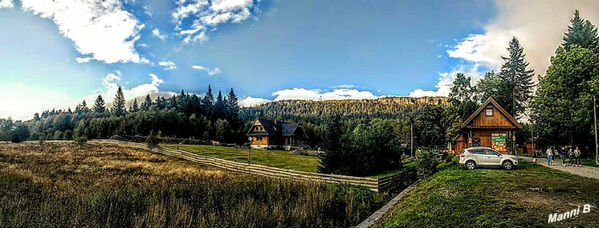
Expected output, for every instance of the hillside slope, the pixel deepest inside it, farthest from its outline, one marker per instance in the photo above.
(524, 197)
(307, 110)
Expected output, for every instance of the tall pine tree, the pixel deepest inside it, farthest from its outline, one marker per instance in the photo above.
(517, 85)
(99, 105)
(118, 105)
(134, 107)
(145, 105)
(581, 32)
(208, 102)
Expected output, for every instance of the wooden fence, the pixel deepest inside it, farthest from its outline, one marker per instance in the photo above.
(374, 184)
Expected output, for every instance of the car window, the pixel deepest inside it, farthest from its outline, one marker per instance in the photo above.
(491, 152)
(477, 151)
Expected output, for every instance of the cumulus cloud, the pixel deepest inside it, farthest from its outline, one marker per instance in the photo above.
(6, 4)
(194, 18)
(32, 99)
(158, 35)
(538, 24)
(446, 80)
(252, 101)
(210, 72)
(101, 30)
(315, 94)
(168, 65)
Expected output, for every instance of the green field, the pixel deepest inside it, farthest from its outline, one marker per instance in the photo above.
(274, 158)
(455, 197)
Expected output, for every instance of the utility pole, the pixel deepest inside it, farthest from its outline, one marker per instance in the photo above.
(595, 117)
(412, 139)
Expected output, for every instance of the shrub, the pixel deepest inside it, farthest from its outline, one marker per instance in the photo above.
(19, 134)
(426, 164)
(153, 139)
(80, 140)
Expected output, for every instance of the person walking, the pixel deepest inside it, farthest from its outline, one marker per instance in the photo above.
(570, 155)
(549, 155)
(562, 153)
(577, 155)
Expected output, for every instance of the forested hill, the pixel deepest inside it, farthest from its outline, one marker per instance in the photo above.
(315, 111)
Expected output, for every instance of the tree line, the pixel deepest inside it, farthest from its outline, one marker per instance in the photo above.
(181, 116)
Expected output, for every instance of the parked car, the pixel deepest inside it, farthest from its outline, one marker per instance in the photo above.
(486, 157)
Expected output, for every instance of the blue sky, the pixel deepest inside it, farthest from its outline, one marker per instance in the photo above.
(59, 53)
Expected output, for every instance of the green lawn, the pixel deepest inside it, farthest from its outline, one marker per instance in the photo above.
(455, 197)
(274, 158)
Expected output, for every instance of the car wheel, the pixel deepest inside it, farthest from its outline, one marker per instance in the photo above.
(508, 165)
(470, 165)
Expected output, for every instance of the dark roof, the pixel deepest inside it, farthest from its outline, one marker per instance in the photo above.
(275, 129)
(494, 103)
(288, 128)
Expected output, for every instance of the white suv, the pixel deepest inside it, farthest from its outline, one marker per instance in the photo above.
(486, 157)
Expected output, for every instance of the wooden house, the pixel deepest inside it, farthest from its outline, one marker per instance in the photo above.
(489, 126)
(267, 134)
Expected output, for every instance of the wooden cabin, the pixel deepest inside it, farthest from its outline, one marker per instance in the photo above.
(489, 126)
(267, 134)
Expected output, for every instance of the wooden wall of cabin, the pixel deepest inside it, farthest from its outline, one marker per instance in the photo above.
(495, 120)
(485, 137)
(260, 140)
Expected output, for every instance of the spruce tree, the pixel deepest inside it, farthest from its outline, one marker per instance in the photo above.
(581, 32)
(208, 101)
(145, 105)
(99, 105)
(118, 105)
(134, 107)
(219, 106)
(333, 158)
(516, 80)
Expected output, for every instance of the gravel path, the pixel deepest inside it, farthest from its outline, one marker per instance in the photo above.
(585, 171)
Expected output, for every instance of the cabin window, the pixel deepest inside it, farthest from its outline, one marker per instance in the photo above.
(489, 112)
(258, 138)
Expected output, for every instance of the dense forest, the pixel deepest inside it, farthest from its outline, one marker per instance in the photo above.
(180, 116)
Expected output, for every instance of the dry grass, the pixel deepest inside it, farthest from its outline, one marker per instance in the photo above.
(109, 185)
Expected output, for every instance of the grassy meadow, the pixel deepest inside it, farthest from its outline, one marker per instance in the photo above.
(524, 197)
(275, 158)
(59, 184)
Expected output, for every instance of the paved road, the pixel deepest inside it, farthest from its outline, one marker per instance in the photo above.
(585, 171)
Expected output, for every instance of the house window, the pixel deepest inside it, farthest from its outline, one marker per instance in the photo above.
(258, 138)
(489, 112)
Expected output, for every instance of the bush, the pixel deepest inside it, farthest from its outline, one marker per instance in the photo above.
(426, 164)
(153, 139)
(81, 140)
(19, 134)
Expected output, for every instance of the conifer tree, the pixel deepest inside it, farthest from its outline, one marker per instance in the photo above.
(118, 105)
(581, 32)
(134, 107)
(208, 101)
(145, 105)
(99, 105)
(517, 85)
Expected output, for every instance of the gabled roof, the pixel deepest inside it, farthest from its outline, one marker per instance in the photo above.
(288, 128)
(274, 129)
(482, 107)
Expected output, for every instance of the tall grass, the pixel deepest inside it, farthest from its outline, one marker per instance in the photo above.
(62, 194)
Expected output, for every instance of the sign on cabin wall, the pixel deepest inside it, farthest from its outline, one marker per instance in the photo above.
(498, 141)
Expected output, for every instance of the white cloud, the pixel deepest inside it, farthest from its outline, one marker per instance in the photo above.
(6, 4)
(446, 81)
(83, 59)
(344, 86)
(194, 18)
(539, 25)
(168, 65)
(315, 94)
(101, 29)
(252, 101)
(210, 72)
(157, 34)
(33, 99)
